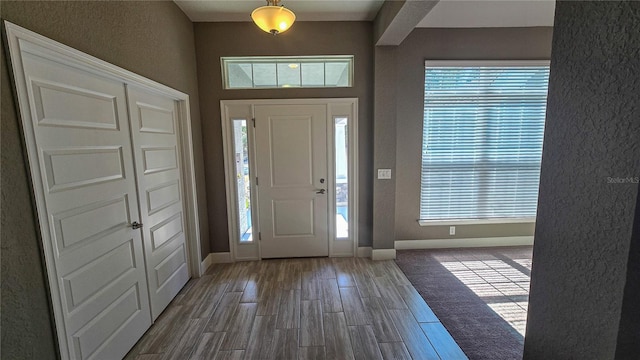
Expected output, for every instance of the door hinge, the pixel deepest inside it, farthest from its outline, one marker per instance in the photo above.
(259, 236)
(254, 121)
(257, 181)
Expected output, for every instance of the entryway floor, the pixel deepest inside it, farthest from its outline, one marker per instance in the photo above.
(319, 308)
(479, 294)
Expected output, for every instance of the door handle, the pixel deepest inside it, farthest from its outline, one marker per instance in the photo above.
(320, 191)
(136, 225)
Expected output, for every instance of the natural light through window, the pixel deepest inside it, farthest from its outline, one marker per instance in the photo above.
(261, 72)
(342, 179)
(502, 286)
(243, 182)
(482, 140)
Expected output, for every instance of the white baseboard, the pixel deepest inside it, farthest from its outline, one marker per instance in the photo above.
(204, 266)
(214, 258)
(364, 251)
(220, 257)
(383, 254)
(466, 242)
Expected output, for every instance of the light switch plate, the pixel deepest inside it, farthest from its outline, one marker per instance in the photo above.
(384, 173)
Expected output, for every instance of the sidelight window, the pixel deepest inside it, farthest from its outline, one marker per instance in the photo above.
(243, 180)
(342, 178)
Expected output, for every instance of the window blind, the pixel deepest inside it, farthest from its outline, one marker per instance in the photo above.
(482, 141)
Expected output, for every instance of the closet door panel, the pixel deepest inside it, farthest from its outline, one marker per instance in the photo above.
(157, 161)
(85, 161)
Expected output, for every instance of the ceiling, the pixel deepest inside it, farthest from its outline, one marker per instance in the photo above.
(305, 10)
(446, 13)
(484, 13)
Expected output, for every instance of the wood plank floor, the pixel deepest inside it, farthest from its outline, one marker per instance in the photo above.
(319, 308)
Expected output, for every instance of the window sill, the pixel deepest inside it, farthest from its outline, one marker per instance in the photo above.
(476, 221)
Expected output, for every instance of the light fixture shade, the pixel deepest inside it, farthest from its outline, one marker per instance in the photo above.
(273, 19)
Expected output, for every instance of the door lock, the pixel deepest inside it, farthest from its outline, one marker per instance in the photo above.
(320, 191)
(136, 225)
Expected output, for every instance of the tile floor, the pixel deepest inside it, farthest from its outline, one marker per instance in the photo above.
(320, 308)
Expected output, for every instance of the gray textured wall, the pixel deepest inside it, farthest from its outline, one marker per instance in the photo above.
(214, 40)
(384, 190)
(447, 44)
(26, 326)
(584, 224)
(628, 346)
(153, 39)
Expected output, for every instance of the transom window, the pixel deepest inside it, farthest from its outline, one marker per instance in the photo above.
(284, 72)
(482, 140)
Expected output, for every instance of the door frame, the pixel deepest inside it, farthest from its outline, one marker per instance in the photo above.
(20, 40)
(245, 110)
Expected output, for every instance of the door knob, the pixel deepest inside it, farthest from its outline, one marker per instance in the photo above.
(320, 191)
(136, 225)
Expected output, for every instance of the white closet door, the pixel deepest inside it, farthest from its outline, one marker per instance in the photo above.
(84, 155)
(154, 131)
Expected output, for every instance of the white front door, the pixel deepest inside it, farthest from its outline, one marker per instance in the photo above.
(291, 148)
(84, 153)
(154, 130)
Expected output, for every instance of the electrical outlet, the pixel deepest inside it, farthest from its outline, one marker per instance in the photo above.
(452, 230)
(384, 173)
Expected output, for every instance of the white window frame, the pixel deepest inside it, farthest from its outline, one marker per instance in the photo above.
(479, 63)
(324, 59)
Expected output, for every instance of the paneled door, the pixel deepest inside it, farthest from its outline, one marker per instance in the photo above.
(84, 153)
(291, 148)
(157, 159)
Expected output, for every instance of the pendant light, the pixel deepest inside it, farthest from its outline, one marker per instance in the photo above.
(272, 18)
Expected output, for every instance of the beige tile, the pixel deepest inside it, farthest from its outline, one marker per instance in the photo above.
(311, 329)
(219, 321)
(365, 346)
(337, 343)
(289, 310)
(312, 353)
(310, 283)
(270, 300)
(349, 308)
(415, 340)
(383, 327)
(331, 301)
(442, 341)
(354, 310)
(207, 345)
(188, 340)
(230, 355)
(239, 328)
(286, 344)
(389, 293)
(261, 341)
(394, 351)
(416, 304)
(366, 285)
